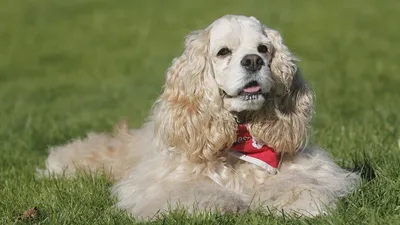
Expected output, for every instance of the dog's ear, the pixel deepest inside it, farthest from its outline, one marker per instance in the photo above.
(189, 117)
(284, 122)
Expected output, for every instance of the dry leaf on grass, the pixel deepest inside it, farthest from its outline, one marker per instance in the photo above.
(29, 214)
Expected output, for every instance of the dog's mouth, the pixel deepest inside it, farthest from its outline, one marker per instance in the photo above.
(251, 91)
(251, 88)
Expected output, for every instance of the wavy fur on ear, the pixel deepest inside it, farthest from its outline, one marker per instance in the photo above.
(284, 122)
(188, 116)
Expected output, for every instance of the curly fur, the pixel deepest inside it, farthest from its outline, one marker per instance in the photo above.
(188, 116)
(177, 158)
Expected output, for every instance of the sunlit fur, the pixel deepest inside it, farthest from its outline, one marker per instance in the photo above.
(177, 158)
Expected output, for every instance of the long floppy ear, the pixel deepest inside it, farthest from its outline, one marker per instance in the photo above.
(284, 122)
(188, 116)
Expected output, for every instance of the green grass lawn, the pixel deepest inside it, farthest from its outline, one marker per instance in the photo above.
(70, 67)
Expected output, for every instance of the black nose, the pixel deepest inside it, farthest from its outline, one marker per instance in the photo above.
(252, 62)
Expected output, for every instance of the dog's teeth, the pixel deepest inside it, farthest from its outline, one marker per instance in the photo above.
(250, 97)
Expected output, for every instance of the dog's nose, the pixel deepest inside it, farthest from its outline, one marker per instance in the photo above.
(252, 62)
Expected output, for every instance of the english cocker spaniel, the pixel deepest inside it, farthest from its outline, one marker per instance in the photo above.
(228, 133)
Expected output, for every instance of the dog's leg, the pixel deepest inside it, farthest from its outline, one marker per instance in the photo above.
(209, 197)
(309, 185)
(149, 199)
(98, 152)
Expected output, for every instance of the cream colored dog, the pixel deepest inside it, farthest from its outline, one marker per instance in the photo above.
(228, 133)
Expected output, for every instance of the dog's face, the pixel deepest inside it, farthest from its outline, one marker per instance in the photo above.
(234, 65)
(240, 54)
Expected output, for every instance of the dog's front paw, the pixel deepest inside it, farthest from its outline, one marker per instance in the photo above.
(230, 205)
(234, 208)
(304, 204)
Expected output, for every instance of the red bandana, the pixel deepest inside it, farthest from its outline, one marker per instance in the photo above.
(248, 146)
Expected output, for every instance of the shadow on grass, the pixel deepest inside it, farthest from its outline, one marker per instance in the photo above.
(363, 166)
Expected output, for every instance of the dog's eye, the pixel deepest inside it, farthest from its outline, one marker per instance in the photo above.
(262, 49)
(224, 52)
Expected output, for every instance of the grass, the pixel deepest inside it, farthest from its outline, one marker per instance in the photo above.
(69, 67)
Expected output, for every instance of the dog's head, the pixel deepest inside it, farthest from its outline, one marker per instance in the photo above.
(234, 66)
(240, 53)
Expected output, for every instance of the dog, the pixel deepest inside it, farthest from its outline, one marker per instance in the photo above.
(227, 134)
